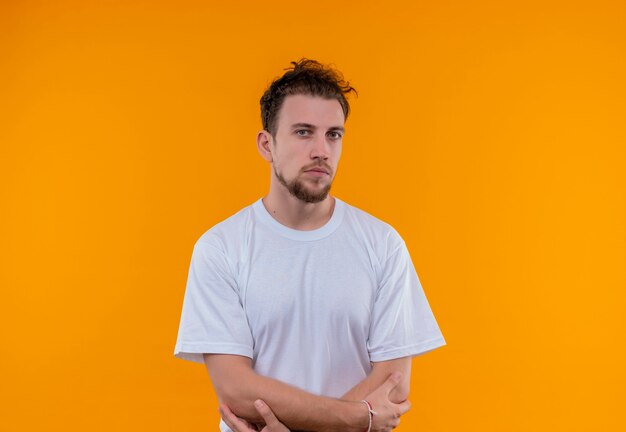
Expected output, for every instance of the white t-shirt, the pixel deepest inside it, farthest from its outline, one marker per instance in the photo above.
(310, 308)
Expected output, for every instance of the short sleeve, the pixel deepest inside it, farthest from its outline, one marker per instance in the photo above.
(402, 322)
(212, 318)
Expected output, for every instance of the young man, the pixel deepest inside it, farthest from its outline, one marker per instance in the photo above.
(300, 299)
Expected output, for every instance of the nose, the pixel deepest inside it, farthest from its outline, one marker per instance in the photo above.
(320, 148)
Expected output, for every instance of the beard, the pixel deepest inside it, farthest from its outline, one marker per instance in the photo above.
(298, 189)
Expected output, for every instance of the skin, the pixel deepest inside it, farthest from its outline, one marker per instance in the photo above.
(297, 149)
(272, 424)
(238, 387)
(240, 425)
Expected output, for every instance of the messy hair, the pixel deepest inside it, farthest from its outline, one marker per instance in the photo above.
(307, 77)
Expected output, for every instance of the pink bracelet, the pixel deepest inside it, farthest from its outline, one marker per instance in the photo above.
(371, 412)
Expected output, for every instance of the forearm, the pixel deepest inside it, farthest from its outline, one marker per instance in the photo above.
(377, 376)
(297, 409)
(368, 385)
(361, 390)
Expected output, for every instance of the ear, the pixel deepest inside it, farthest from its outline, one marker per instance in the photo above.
(264, 144)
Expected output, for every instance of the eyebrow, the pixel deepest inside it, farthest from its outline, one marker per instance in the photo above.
(310, 126)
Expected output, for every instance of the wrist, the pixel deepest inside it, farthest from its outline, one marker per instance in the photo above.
(354, 417)
(370, 412)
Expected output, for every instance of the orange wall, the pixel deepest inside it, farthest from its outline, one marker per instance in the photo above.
(490, 134)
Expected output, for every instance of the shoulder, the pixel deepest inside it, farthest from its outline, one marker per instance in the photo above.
(381, 235)
(226, 234)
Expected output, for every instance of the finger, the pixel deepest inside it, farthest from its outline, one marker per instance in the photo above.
(392, 381)
(266, 412)
(226, 412)
(404, 407)
(227, 418)
(273, 424)
(233, 422)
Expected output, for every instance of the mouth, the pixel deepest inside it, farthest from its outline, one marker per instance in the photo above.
(317, 173)
(318, 170)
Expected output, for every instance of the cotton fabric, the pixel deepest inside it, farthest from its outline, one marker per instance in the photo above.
(310, 308)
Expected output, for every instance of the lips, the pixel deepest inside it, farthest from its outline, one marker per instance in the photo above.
(319, 170)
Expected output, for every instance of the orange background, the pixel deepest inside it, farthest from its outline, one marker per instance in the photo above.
(490, 134)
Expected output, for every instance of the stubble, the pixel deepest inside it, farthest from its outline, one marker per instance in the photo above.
(298, 189)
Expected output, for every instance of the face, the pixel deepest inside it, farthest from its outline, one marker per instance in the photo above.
(307, 146)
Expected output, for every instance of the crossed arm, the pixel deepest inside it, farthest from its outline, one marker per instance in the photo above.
(238, 386)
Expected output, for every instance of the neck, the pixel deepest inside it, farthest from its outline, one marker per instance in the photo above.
(297, 214)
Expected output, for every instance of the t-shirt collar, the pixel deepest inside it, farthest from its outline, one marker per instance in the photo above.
(268, 220)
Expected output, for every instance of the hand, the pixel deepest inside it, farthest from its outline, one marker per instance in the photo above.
(388, 413)
(240, 425)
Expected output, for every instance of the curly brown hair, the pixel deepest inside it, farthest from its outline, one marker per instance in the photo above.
(307, 77)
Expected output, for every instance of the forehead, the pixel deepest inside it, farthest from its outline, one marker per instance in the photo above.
(310, 109)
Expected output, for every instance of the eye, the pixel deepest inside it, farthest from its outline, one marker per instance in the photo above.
(335, 135)
(302, 130)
